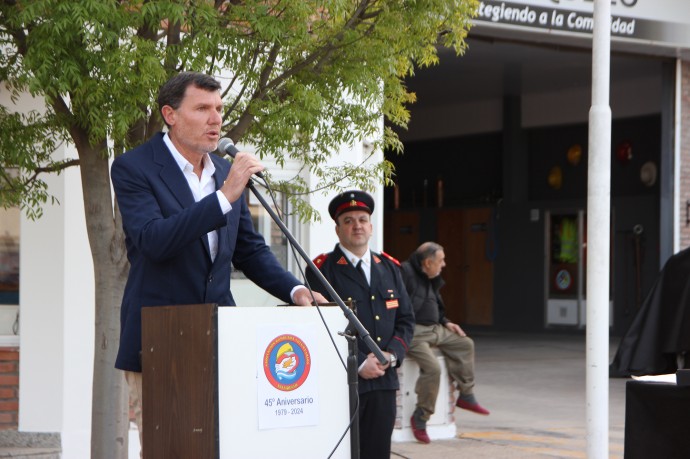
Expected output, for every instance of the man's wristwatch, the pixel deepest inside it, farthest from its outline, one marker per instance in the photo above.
(392, 359)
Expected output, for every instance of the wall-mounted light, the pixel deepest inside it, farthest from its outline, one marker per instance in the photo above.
(648, 174)
(624, 152)
(555, 178)
(574, 154)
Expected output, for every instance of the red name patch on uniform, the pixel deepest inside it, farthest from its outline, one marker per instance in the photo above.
(391, 304)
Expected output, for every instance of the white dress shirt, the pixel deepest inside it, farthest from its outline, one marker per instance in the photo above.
(201, 186)
(354, 259)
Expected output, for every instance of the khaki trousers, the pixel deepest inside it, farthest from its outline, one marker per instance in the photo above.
(459, 354)
(135, 396)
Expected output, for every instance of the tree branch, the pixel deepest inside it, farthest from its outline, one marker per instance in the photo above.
(58, 167)
(53, 168)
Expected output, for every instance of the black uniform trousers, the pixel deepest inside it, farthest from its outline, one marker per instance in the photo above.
(376, 422)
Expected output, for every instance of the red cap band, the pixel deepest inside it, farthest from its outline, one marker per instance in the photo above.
(350, 204)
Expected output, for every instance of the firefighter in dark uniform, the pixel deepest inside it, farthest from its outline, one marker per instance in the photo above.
(375, 287)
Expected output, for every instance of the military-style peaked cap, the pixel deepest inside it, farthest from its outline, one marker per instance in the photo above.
(348, 201)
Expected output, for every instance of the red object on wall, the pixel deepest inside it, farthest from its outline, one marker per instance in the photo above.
(624, 152)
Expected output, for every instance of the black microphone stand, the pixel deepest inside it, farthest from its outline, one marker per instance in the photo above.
(349, 314)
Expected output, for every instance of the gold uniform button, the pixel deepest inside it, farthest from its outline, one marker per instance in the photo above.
(391, 295)
(373, 297)
(349, 299)
(378, 318)
(378, 338)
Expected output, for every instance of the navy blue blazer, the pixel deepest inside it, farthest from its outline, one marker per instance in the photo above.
(383, 307)
(167, 247)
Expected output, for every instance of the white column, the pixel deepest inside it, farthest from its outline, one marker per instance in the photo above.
(57, 319)
(598, 237)
(677, 131)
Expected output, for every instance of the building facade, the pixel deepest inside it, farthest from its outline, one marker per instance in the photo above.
(496, 161)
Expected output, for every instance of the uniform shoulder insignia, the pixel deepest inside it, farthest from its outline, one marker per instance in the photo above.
(318, 261)
(393, 259)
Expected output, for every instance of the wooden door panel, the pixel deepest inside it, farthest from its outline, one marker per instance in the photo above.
(450, 236)
(479, 275)
(468, 293)
(401, 233)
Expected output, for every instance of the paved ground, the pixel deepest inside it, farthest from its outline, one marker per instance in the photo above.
(535, 387)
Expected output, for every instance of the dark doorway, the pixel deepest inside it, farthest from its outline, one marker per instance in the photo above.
(467, 238)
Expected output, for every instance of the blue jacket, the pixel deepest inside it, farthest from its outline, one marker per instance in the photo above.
(167, 247)
(383, 308)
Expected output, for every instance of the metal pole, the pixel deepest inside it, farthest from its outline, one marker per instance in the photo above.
(598, 237)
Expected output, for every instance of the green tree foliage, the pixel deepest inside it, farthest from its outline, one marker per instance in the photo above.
(303, 76)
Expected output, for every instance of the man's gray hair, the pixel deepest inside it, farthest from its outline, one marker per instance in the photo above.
(427, 250)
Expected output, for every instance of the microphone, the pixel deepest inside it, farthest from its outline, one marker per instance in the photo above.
(226, 146)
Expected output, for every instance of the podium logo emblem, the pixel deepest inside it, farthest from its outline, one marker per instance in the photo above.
(287, 362)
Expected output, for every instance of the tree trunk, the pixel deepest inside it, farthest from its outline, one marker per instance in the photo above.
(110, 411)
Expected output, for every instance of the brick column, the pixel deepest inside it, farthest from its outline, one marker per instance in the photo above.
(9, 388)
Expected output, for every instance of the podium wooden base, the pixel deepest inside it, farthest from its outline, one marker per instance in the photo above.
(180, 381)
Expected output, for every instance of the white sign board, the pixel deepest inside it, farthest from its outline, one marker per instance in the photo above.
(660, 22)
(301, 413)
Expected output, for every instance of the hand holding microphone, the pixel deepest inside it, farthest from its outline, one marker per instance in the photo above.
(226, 145)
(244, 165)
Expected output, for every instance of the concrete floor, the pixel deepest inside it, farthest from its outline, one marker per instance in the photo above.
(535, 387)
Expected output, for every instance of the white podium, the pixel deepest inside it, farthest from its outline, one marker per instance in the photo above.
(244, 382)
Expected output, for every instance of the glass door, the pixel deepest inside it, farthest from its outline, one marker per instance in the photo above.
(564, 267)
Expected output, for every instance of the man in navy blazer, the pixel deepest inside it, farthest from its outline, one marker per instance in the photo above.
(186, 220)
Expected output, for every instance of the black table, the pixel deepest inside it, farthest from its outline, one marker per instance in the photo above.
(657, 420)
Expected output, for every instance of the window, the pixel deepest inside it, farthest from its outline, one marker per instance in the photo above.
(9, 271)
(265, 225)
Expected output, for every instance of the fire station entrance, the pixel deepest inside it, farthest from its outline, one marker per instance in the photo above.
(495, 167)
